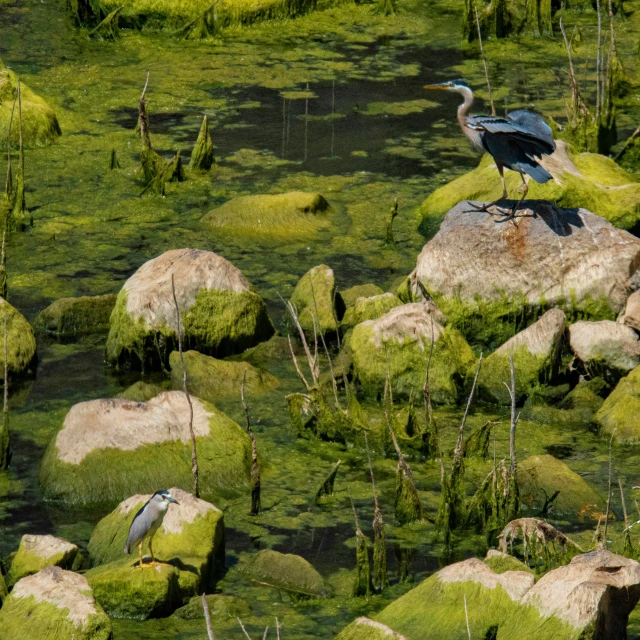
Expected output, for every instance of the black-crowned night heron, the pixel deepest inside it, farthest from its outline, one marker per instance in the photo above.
(147, 521)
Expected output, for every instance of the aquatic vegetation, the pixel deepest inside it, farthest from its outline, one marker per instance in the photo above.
(202, 157)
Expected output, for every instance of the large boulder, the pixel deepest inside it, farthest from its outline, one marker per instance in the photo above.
(548, 484)
(535, 353)
(287, 572)
(489, 279)
(579, 180)
(284, 216)
(53, 604)
(71, 317)
(190, 541)
(221, 313)
(21, 342)
(631, 315)
(39, 123)
(314, 299)
(619, 415)
(214, 380)
(37, 552)
(400, 343)
(435, 609)
(588, 599)
(606, 347)
(108, 449)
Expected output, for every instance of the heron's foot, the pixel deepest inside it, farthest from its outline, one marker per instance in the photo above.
(484, 208)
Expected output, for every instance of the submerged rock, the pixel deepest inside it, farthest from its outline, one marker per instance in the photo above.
(37, 552)
(214, 380)
(587, 180)
(606, 347)
(70, 317)
(400, 342)
(314, 299)
(369, 309)
(220, 606)
(490, 279)
(548, 485)
(221, 313)
(191, 540)
(108, 449)
(535, 353)
(53, 604)
(287, 572)
(620, 412)
(283, 216)
(21, 343)
(39, 123)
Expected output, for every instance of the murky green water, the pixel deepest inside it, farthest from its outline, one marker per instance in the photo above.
(330, 102)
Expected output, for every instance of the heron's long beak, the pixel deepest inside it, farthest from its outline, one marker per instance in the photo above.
(437, 87)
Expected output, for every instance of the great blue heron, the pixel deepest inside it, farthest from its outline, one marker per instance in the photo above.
(146, 522)
(516, 141)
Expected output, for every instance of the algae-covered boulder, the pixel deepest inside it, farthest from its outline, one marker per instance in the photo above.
(492, 279)
(142, 391)
(39, 123)
(53, 604)
(548, 484)
(535, 353)
(435, 609)
(500, 562)
(349, 296)
(366, 629)
(70, 317)
(221, 313)
(287, 572)
(620, 412)
(214, 380)
(220, 606)
(21, 342)
(282, 216)
(369, 309)
(586, 180)
(37, 552)
(606, 347)
(108, 449)
(588, 599)
(400, 342)
(314, 299)
(191, 540)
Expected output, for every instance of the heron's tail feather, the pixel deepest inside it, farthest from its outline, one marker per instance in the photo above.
(536, 171)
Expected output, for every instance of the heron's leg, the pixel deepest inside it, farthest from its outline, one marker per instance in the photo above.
(511, 214)
(485, 207)
(154, 562)
(140, 551)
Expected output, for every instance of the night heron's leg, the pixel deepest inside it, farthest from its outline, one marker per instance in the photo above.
(154, 562)
(485, 207)
(140, 551)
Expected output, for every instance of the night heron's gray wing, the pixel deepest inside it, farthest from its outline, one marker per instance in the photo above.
(139, 528)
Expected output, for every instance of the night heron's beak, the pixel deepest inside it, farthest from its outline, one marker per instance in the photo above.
(438, 87)
(170, 499)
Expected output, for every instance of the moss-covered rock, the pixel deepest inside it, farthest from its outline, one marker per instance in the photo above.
(39, 123)
(286, 571)
(21, 347)
(400, 342)
(368, 309)
(109, 449)
(190, 540)
(53, 604)
(283, 216)
(435, 608)
(221, 313)
(500, 562)
(142, 391)
(540, 478)
(580, 180)
(214, 380)
(220, 606)
(620, 412)
(37, 552)
(70, 317)
(314, 298)
(349, 296)
(535, 353)
(366, 629)
(4, 591)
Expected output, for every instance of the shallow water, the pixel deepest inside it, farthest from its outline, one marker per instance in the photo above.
(331, 102)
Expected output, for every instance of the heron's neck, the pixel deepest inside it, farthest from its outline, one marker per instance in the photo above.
(465, 107)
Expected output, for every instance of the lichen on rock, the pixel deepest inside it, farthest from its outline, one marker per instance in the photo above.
(37, 552)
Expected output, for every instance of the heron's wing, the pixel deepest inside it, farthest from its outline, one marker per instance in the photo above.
(137, 530)
(516, 154)
(533, 123)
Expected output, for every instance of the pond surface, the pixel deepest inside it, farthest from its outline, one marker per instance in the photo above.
(332, 102)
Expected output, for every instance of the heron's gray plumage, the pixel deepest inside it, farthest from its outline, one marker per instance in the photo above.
(148, 519)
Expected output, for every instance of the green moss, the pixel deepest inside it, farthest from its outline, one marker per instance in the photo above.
(286, 571)
(349, 296)
(214, 380)
(112, 474)
(4, 592)
(67, 317)
(21, 348)
(220, 607)
(368, 309)
(620, 412)
(26, 619)
(218, 323)
(500, 563)
(141, 391)
(202, 155)
(362, 580)
(366, 629)
(313, 297)
(590, 191)
(578, 407)
(527, 622)
(26, 563)
(285, 216)
(39, 123)
(407, 362)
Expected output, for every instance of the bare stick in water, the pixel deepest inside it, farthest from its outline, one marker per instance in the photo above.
(207, 617)
(606, 517)
(255, 469)
(484, 61)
